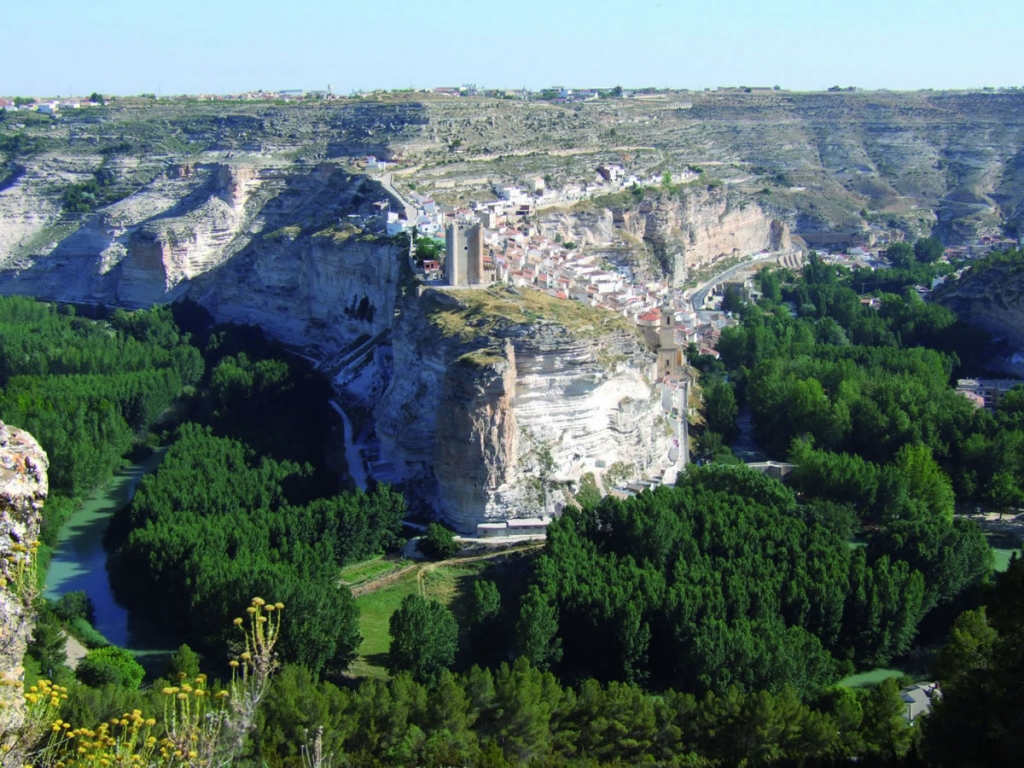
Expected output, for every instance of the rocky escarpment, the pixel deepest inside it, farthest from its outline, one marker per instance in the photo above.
(704, 226)
(683, 231)
(188, 223)
(494, 414)
(992, 298)
(23, 488)
(320, 290)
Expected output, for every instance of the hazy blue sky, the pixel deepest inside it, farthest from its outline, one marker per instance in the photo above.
(186, 46)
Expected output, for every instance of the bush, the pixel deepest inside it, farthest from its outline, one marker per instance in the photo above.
(110, 665)
(439, 543)
(183, 663)
(87, 634)
(75, 605)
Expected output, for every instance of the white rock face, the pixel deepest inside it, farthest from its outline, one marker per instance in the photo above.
(166, 252)
(691, 231)
(585, 228)
(308, 291)
(504, 425)
(573, 416)
(136, 252)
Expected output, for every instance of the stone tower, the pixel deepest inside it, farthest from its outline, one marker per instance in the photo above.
(464, 255)
(668, 352)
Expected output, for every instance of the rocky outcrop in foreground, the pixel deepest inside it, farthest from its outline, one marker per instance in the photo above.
(23, 488)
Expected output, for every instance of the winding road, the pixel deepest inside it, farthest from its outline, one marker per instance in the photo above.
(698, 297)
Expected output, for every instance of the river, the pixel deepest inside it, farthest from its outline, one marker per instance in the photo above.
(79, 562)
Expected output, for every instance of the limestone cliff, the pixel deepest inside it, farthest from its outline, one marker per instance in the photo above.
(493, 412)
(23, 488)
(322, 290)
(683, 231)
(991, 298)
(194, 221)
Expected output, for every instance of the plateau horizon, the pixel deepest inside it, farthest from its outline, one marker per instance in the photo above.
(228, 46)
(554, 93)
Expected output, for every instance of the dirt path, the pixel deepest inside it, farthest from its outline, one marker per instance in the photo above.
(380, 582)
(423, 568)
(75, 651)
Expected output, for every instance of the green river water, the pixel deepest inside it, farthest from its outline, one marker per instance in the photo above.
(79, 562)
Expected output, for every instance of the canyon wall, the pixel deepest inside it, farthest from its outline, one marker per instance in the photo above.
(700, 227)
(187, 223)
(23, 488)
(992, 299)
(481, 409)
(672, 234)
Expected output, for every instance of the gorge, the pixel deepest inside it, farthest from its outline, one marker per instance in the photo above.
(258, 213)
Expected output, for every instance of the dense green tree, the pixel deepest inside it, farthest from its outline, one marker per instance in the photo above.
(213, 527)
(900, 255)
(82, 387)
(969, 651)
(439, 543)
(182, 664)
(48, 645)
(536, 632)
(977, 721)
(74, 605)
(885, 730)
(770, 284)
(424, 638)
(925, 480)
(720, 406)
(110, 665)
(486, 605)
(838, 477)
(689, 588)
(928, 249)
(732, 299)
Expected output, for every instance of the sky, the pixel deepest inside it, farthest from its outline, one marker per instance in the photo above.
(71, 47)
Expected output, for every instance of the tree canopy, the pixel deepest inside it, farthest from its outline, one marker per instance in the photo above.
(424, 638)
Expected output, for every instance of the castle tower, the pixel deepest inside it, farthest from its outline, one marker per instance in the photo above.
(454, 256)
(668, 352)
(475, 255)
(464, 255)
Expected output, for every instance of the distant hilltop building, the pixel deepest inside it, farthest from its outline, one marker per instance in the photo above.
(464, 255)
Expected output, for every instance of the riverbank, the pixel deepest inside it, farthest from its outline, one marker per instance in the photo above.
(79, 563)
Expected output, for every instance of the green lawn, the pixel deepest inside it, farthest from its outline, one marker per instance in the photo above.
(375, 609)
(447, 584)
(451, 584)
(357, 573)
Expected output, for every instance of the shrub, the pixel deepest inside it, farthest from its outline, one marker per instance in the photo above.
(87, 634)
(439, 543)
(110, 665)
(75, 605)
